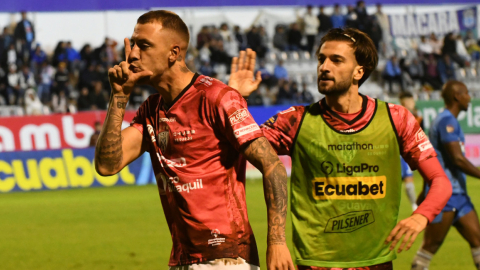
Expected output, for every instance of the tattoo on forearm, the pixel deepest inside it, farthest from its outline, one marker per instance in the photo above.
(263, 157)
(121, 105)
(108, 151)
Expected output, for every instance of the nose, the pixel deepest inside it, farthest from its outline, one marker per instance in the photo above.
(324, 67)
(134, 54)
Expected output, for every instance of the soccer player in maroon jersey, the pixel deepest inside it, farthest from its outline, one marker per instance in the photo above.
(195, 129)
(346, 58)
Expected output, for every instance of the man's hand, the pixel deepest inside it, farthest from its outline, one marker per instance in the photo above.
(241, 77)
(409, 228)
(278, 257)
(122, 76)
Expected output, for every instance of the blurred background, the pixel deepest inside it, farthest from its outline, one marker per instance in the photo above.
(54, 90)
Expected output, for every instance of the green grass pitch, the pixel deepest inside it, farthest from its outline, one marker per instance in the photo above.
(124, 228)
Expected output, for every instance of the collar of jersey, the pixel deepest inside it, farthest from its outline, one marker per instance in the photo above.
(166, 108)
(336, 115)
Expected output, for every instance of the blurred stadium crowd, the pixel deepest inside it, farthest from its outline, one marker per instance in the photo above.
(70, 80)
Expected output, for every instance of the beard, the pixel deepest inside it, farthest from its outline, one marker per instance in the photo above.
(337, 89)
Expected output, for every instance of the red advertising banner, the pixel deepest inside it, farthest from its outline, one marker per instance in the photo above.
(57, 131)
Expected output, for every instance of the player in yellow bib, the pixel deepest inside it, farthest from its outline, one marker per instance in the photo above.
(345, 150)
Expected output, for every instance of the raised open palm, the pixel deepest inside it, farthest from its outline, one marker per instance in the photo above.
(242, 73)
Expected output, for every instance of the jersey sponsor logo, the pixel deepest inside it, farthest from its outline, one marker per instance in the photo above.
(183, 136)
(176, 162)
(216, 240)
(363, 167)
(151, 132)
(349, 188)
(271, 121)
(238, 116)
(420, 135)
(352, 146)
(326, 167)
(245, 130)
(207, 81)
(348, 130)
(169, 120)
(173, 184)
(424, 146)
(450, 128)
(349, 222)
(291, 109)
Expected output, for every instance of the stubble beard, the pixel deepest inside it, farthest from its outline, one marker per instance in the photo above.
(338, 89)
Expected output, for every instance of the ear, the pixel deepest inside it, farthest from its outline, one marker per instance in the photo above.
(358, 73)
(174, 54)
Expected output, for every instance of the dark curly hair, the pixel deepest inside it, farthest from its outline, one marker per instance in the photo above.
(364, 49)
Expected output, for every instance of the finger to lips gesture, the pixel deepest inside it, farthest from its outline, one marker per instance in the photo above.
(409, 228)
(242, 73)
(123, 76)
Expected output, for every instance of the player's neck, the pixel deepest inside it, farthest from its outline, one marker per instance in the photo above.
(350, 102)
(173, 82)
(455, 110)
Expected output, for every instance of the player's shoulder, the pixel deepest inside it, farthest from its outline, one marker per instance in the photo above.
(446, 118)
(294, 110)
(215, 90)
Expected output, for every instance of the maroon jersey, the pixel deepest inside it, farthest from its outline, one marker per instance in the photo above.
(194, 147)
(414, 145)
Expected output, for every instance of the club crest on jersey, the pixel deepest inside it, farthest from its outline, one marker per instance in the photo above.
(216, 240)
(162, 138)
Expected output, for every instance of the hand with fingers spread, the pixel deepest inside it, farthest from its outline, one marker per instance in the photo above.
(124, 76)
(278, 257)
(409, 228)
(242, 73)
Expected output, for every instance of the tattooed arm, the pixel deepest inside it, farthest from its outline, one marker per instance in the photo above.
(261, 154)
(116, 148)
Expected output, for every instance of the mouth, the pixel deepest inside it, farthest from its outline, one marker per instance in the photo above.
(325, 80)
(135, 69)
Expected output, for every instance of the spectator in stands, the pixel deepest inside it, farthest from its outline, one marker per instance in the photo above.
(337, 18)
(450, 48)
(432, 76)
(268, 79)
(5, 40)
(4, 96)
(9, 56)
(203, 37)
(96, 134)
(46, 74)
(136, 98)
(27, 79)
(73, 57)
(25, 34)
(98, 98)
(351, 18)
(224, 31)
(231, 46)
(393, 73)
(219, 56)
(206, 69)
(37, 58)
(60, 79)
(305, 96)
(240, 38)
(280, 72)
(436, 45)
(294, 37)
(280, 38)
(325, 23)
(285, 95)
(446, 69)
(33, 105)
(15, 92)
(424, 47)
(87, 77)
(311, 26)
(215, 33)
(87, 56)
(416, 71)
(254, 40)
(83, 101)
(363, 20)
(375, 33)
(60, 53)
(461, 49)
(60, 102)
(472, 46)
(384, 24)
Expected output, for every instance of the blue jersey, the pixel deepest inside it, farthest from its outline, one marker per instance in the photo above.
(446, 129)
(406, 171)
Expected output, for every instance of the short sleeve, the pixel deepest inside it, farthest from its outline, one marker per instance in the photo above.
(233, 118)
(414, 143)
(448, 130)
(281, 129)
